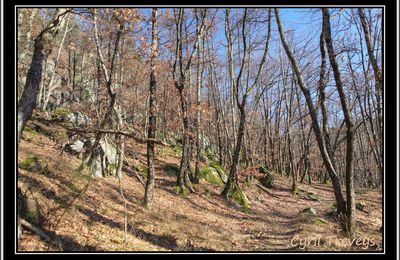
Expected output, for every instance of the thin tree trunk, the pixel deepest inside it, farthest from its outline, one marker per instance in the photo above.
(372, 59)
(108, 77)
(349, 124)
(152, 116)
(200, 66)
(51, 86)
(232, 183)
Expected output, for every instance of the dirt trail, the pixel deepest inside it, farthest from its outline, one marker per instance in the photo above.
(202, 221)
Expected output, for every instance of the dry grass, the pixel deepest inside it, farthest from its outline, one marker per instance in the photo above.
(200, 221)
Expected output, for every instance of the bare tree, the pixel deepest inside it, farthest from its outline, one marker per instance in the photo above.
(148, 197)
(180, 75)
(349, 124)
(232, 182)
(341, 204)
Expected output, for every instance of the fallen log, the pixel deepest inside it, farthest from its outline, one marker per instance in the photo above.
(39, 232)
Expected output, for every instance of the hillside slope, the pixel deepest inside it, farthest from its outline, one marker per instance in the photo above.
(87, 214)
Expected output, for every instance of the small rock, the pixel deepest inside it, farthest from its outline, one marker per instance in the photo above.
(310, 211)
(361, 206)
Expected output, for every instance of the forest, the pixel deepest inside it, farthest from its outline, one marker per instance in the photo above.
(199, 129)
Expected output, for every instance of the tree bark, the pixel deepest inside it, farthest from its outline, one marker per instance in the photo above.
(151, 133)
(349, 125)
(47, 91)
(232, 183)
(199, 81)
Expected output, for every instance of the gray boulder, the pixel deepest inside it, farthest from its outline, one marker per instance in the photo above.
(78, 119)
(104, 160)
(77, 146)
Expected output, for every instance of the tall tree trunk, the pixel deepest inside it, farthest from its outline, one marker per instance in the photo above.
(349, 125)
(182, 180)
(121, 143)
(180, 82)
(322, 98)
(199, 77)
(152, 116)
(372, 59)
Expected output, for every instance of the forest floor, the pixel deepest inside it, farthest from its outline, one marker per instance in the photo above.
(87, 214)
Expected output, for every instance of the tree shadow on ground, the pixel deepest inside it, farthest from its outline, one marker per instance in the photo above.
(165, 241)
(64, 243)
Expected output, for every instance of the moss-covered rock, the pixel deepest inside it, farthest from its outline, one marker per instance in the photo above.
(268, 180)
(34, 164)
(181, 191)
(61, 113)
(320, 221)
(306, 194)
(61, 135)
(221, 171)
(240, 197)
(212, 175)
